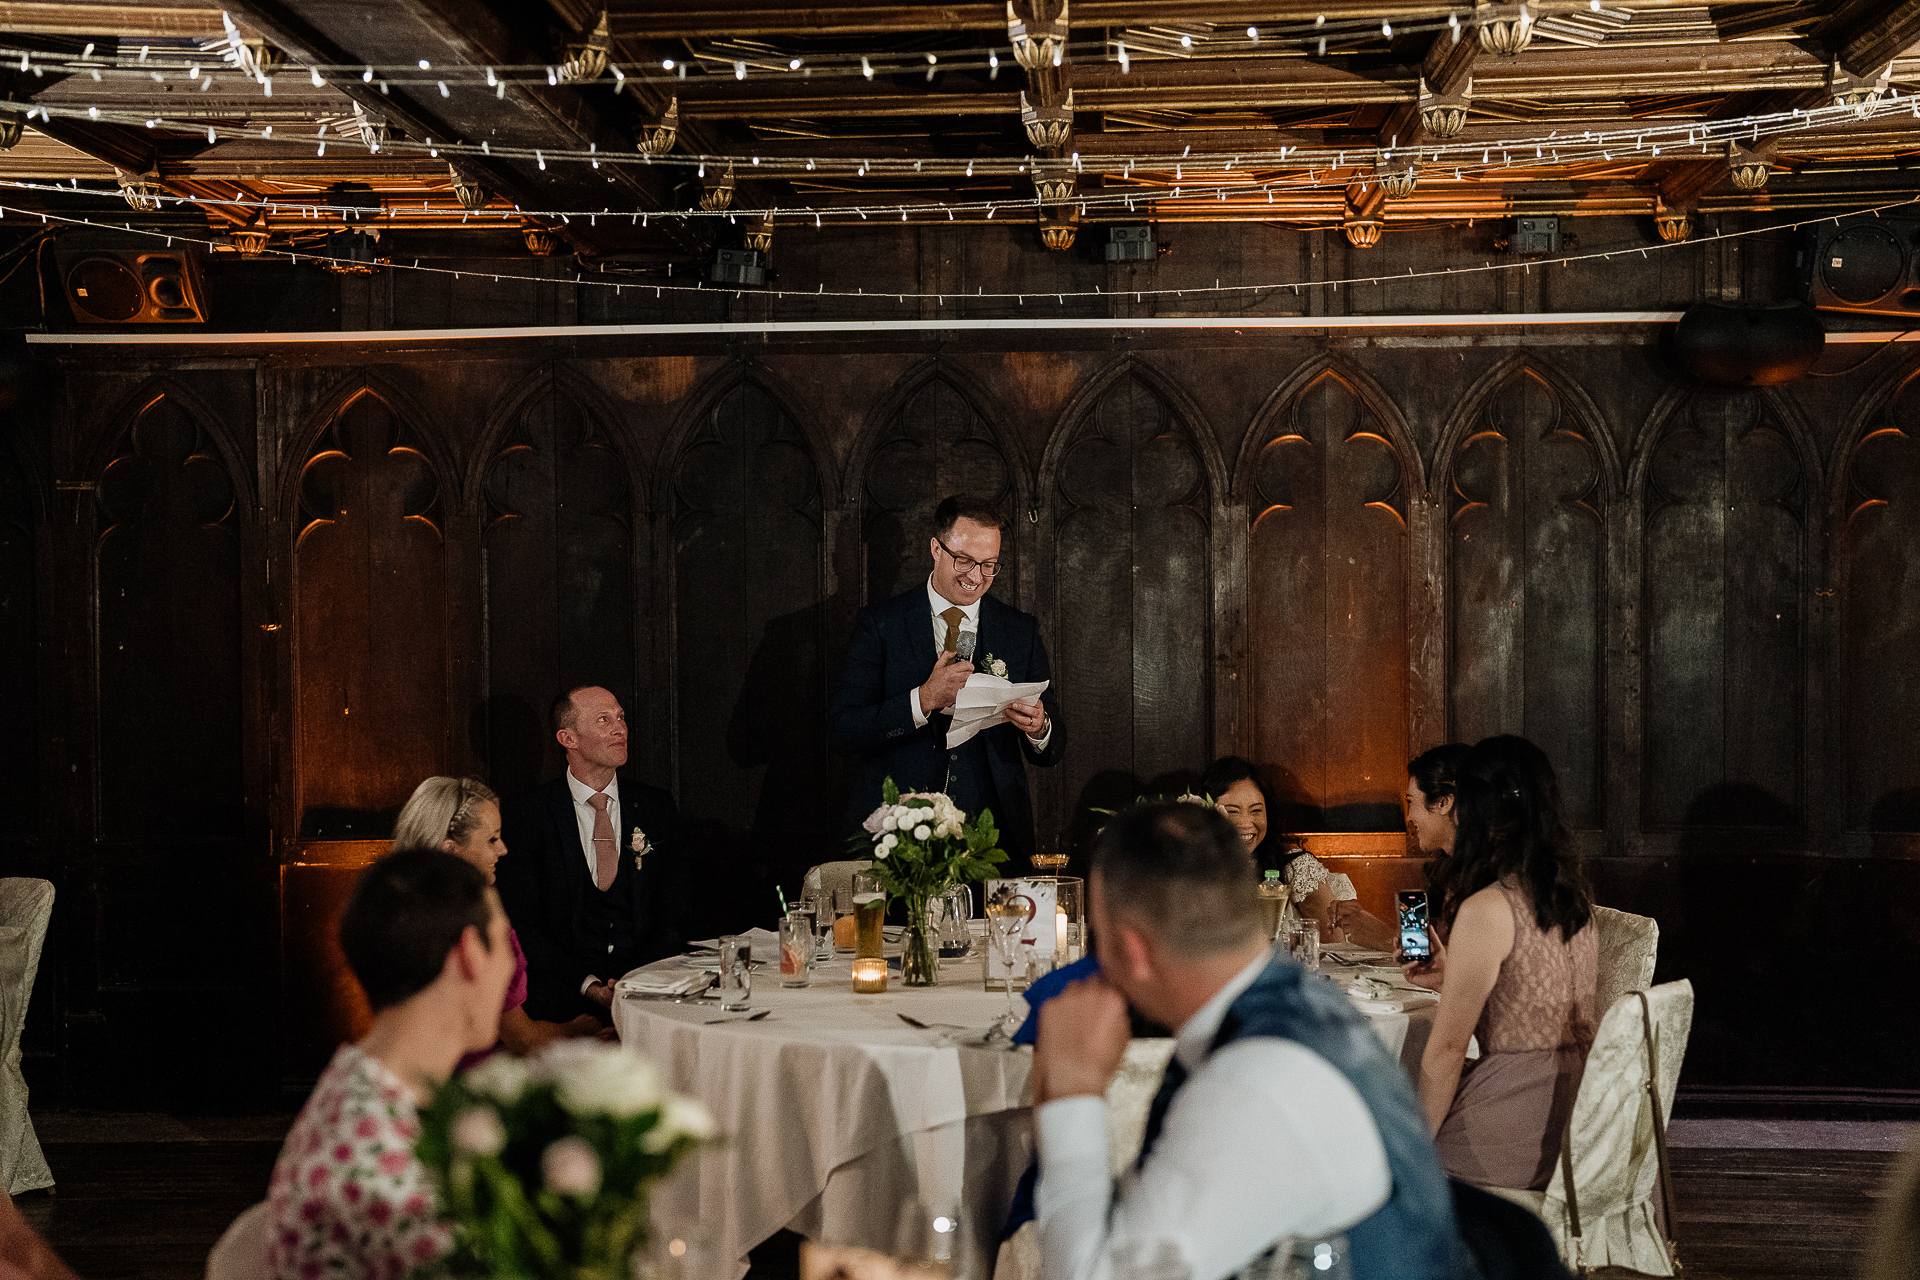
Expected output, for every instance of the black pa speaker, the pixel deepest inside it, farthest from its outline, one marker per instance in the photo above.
(133, 286)
(1864, 264)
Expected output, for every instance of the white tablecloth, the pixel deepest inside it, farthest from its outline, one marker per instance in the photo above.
(850, 1127)
(842, 1121)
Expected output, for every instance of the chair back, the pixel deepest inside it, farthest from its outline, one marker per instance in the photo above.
(241, 1251)
(1629, 944)
(26, 905)
(836, 876)
(1130, 1097)
(1615, 1142)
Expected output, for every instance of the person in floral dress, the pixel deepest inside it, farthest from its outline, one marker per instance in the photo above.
(427, 939)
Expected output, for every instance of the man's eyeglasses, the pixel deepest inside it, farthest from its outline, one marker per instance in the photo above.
(964, 565)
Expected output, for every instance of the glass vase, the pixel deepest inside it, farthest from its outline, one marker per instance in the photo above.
(919, 960)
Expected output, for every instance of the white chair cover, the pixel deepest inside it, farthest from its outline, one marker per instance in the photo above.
(835, 876)
(241, 1251)
(1616, 1142)
(1129, 1099)
(25, 907)
(1629, 945)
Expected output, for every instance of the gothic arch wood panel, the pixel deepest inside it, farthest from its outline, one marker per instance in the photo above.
(1133, 481)
(1327, 475)
(558, 567)
(749, 667)
(167, 632)
(370, 603)
(19, 644)
(1725, 483)
(1878, 475)
(932, 436)
(1529, 471)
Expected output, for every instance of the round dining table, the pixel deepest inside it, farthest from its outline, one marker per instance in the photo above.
(844, 1123)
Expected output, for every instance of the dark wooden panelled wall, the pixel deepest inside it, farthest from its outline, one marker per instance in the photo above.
(249, 599)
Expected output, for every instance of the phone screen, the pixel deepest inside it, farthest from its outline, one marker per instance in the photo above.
(1413, 925)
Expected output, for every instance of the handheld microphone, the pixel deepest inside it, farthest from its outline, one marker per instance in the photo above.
(964, 650)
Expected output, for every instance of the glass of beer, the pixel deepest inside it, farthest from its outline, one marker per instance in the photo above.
(869, 909)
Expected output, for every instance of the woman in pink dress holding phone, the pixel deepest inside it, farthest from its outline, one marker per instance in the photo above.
(1515, 962)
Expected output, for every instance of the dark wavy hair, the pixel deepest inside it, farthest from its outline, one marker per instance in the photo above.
(1438, 770)
(1507, 800)
(1276, 850)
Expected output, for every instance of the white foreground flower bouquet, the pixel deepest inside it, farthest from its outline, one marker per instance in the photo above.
(546, 1164)
(923, 845)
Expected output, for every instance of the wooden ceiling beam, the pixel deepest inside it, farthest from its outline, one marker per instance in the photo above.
(741, 18)
(336, 32)
(1867, 34)
(1447, 68)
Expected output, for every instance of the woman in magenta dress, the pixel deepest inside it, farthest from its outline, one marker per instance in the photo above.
(461, 816)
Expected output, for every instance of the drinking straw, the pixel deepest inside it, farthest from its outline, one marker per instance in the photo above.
(783, 900)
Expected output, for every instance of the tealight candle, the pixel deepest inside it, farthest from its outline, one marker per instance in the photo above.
(870, 975)
(1060, 935)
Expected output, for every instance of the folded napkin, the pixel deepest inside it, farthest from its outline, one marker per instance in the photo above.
(759, 938)
(1375, 996)
(1354, 956)
(661, 984)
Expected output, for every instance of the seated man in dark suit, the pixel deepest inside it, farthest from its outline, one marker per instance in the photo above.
(902, 674)
(594, 884)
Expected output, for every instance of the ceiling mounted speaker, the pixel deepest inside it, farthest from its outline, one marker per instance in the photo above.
(126, 287)
(1864, 264)
(1748, 346)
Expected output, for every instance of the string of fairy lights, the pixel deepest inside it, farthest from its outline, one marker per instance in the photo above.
(1244, 175)
(209, 62)
(1039, 296)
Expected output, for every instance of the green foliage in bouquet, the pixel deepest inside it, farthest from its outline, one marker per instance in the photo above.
(922, 844)
(545, 1165)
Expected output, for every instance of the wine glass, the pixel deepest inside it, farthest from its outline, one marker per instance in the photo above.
(1005, 921)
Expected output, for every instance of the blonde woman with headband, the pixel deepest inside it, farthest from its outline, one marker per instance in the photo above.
(461, 816)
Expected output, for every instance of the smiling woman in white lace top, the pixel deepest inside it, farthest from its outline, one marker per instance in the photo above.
(1242, 797)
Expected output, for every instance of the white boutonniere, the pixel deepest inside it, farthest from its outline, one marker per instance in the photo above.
(994, 666)
(640, 845)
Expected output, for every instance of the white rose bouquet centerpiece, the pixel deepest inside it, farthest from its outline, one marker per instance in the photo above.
(546, 1163)
(923, 845)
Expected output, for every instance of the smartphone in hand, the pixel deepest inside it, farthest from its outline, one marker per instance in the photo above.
(1415, 946)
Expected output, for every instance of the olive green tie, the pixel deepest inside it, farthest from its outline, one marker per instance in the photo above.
(952, 616)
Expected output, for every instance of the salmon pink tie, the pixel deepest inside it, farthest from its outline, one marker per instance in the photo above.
(606, 858)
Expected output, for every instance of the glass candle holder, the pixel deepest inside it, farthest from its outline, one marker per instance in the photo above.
(870, 975)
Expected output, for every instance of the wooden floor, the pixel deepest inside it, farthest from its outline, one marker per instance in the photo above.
(153, 1209)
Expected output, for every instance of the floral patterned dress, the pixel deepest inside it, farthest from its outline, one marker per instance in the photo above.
(348, 1197)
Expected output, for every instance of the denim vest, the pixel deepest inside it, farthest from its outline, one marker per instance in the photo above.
(1413, 1235)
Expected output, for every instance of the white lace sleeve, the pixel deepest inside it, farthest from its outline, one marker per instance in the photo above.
(1307, 873)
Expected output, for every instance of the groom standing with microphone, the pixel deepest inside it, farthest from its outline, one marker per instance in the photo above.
(905, 666)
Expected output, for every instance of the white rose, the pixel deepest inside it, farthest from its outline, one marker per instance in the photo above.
(889, 822)
(679, 1118)
(889, 841)
(570, 1167)
(501, 1077)
(1000, 668)
(882, 853)
(477, 1132)
(591, 1077)
(922, 831)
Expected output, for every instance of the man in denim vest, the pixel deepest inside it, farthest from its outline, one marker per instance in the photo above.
(1284, 1140)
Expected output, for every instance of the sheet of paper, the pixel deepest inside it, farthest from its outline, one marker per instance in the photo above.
(982, 703)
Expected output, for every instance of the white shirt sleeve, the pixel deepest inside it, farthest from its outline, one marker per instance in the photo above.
(1265, 1143)
(919, 716)
(1040, 743)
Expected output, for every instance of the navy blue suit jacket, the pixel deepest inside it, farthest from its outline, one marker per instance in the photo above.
(543, 882)
(871, 716)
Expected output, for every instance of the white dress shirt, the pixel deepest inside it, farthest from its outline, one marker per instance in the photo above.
(1265, 1143)
(969, 621)
(583, 815)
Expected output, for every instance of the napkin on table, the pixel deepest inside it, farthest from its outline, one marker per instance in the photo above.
(660, 984)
